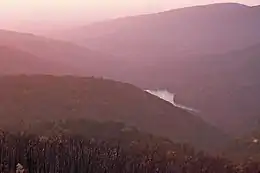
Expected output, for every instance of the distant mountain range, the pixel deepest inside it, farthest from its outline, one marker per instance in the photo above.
(207, 55)
(216, 28)
(82, 60)
(14, 61)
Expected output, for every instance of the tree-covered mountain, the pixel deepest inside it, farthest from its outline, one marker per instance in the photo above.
(104, 147)
(109, 131)
(245, 147)
(14, 61)
(36, 98)
(223, 86)
(215, 28)
(207, 55)
(82, 60)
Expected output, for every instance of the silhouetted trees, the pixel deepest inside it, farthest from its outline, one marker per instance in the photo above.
(75, 154)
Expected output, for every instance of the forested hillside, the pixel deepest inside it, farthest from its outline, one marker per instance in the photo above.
(14, 61)
(89, 146)
(37, 98)
(207, 55)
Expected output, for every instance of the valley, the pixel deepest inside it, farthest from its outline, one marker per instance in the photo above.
(172, 91)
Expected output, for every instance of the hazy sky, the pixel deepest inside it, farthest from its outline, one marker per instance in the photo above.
(15, 13)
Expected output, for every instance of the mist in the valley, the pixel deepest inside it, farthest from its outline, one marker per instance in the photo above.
(170, 97)
(129, 86)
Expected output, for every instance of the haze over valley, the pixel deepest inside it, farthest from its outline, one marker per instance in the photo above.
(132, 80)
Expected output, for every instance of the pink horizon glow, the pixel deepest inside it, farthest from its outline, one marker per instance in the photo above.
(19, 14)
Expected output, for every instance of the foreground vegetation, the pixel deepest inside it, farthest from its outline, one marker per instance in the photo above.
(93, 138)
(121, 149)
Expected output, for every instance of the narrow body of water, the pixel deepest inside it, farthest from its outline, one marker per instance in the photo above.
(170, 97)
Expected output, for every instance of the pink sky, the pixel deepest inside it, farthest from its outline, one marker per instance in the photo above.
(19, 13)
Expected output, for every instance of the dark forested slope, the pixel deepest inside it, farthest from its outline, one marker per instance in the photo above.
(28, 99)
(90, 146)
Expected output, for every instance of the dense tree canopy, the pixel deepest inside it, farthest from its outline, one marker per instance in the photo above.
(122, 150)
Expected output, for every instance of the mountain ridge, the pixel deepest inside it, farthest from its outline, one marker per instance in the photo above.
(14, 61)
(55, 51)
(37, 98)
(200, 53)
(190, 27)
